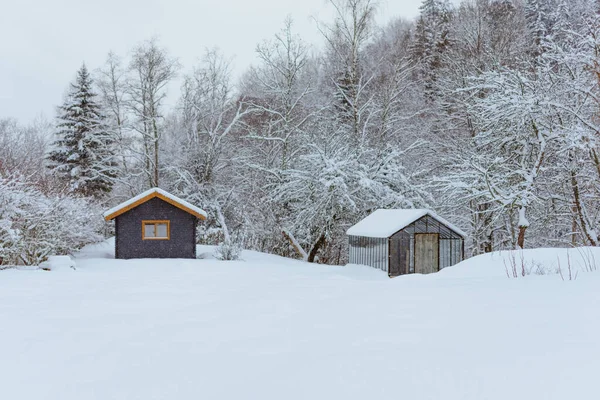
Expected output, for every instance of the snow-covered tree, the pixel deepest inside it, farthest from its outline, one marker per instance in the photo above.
(211, 113)
(23, 148)
(112, 84)
(346, 40)
(150, 71)
(277, 89)
(333, 184)
(280, 92)
(432, 38)
(201, 148)
(396, 97)
(83, 155)
(34, 226)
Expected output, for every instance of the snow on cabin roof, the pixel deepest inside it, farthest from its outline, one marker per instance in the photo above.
(150, 194)
(384, 223)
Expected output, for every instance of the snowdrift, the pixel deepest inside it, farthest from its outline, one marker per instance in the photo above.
(528, 262)
(272, 328)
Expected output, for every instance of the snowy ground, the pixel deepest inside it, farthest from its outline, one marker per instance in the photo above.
(270, 328)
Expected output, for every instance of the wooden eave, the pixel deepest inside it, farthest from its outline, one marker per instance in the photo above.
(150, 197)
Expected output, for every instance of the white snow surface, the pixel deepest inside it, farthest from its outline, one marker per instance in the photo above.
(272, 328)
(58, 262)
(149, 192)
(384, 223)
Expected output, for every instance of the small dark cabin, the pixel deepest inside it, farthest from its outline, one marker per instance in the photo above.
(155, 224)
(405, 242)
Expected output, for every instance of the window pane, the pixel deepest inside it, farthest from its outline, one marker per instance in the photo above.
(161, 231)
(149, 230)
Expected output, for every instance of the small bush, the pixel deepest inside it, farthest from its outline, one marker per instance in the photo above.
(228, 251)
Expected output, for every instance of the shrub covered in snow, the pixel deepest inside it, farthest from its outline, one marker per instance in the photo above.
(34, 225)
(228, 250)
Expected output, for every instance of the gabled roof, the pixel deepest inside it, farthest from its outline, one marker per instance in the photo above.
(148, 195)
(384, 223)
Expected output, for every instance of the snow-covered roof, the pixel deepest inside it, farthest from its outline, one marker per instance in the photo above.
(150, 194)
(384, 223)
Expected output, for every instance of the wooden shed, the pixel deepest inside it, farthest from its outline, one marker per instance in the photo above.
(155, 224)
(405, 242)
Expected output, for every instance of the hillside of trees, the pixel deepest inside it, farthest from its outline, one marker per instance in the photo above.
(487, 112)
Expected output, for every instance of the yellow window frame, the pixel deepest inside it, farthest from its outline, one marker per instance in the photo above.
(156, 223)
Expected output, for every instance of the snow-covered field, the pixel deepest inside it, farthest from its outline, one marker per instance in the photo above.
(271, 328)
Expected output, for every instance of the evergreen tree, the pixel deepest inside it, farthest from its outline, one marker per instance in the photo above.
(431, 40)
(83, 153)
(540, 15)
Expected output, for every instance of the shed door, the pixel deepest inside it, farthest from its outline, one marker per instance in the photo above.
(399, 253)
(426, 253)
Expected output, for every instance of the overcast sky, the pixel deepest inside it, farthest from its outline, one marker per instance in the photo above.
(43, 42)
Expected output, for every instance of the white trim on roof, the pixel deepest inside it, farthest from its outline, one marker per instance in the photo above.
(384, 223)
(147, 193)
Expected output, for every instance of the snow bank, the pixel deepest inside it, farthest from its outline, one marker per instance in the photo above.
(544, 261)
(105, 249)
(55, 263)
(284, 329)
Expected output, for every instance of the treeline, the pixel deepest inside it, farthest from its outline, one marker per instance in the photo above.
(486, 112)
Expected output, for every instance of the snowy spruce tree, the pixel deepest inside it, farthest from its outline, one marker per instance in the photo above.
(83, 155)
(432, 38)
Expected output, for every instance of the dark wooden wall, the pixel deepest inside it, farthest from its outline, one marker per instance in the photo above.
(128, 227)
(399, 253)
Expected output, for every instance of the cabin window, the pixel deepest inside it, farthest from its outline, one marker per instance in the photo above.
(156, 230)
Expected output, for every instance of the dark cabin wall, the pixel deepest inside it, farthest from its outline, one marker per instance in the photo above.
(399, 253)
(128, 227)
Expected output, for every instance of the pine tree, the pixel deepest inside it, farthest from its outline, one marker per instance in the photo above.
(539, 15)
(83, 153)
(431, 40)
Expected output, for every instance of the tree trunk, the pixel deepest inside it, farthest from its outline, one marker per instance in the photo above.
(295, 244)
(156, 138)
(580, 212)
(487, 221)
(147, 156)
(221, 219)
(596, 160)
(574, 227)
(315, 249)
(523, 224)
(521, 238)
(483, 234)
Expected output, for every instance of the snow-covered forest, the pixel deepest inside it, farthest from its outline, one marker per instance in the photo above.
(487, 112)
